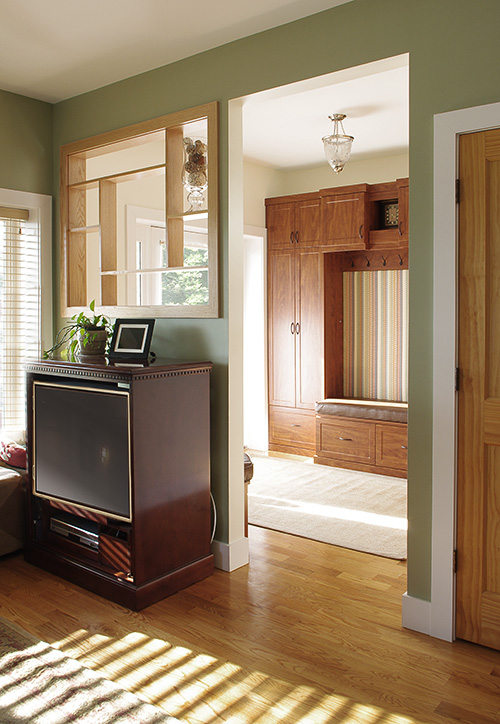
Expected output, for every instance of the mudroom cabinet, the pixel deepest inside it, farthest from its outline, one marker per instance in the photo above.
(313, 241)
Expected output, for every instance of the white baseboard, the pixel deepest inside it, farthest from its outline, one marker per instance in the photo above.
(230, 556)
(417, 614)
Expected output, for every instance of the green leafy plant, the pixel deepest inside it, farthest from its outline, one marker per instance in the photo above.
(81, 330)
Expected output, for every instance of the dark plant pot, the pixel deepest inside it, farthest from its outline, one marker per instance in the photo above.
(92, 340)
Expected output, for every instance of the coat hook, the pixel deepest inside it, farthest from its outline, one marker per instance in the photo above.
(384, 262)
(400, 260)
(367, 261)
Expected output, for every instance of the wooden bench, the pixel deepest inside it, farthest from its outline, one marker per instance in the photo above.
(368, 435)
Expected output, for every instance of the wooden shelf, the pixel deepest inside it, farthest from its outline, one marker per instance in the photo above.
(134, 175)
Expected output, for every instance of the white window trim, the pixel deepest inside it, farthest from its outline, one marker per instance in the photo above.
(40, 207)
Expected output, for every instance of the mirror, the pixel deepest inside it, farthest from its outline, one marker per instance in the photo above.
(139, 227)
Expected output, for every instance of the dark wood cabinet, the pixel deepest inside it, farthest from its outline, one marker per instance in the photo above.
(161, 542)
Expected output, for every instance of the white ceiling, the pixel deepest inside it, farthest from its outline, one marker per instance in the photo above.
(283, 127)
(55, 49)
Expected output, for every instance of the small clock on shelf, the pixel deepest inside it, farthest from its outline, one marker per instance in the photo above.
(390, 214)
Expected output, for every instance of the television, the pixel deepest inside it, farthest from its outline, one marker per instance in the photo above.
(81, 450)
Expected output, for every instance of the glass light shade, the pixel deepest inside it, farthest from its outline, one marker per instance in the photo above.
(337, 150)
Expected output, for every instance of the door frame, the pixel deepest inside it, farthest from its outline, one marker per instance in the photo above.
(438, 619)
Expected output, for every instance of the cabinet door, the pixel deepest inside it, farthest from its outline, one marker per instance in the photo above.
(280, 223)
(343, 221)
(309, 329)
(307, 222)
(281, 327)
(403, 212)
(392, 445)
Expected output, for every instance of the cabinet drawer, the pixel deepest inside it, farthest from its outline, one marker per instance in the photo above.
(392, 442)
(291, 427)
(345, 440)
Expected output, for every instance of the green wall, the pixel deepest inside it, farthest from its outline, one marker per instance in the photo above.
(25, 144)
(454, 53)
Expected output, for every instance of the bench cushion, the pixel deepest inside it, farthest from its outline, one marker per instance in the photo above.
(364, 409)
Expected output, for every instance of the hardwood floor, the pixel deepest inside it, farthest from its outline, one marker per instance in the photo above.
(306, 633)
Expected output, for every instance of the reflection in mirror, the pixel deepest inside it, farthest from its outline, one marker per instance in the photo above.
(139, 218)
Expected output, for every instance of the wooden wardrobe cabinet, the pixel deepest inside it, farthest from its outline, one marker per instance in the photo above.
(296, 346)
(293, 221)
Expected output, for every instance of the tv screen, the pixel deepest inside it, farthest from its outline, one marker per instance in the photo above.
(81, 447)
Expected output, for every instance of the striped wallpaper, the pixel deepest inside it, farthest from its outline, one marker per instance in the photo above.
(376, 335)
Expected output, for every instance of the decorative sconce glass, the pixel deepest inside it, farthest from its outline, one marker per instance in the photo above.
(338, 145)
(195, 177)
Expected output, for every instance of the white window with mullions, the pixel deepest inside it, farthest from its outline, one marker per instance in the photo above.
(25, 319)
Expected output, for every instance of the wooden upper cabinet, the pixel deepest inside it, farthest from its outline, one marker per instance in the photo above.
(344, 218)
(293, 221)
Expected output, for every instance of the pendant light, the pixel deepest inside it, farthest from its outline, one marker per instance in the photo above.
(338, 145)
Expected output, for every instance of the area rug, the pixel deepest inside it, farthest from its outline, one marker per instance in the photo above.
(345, 508)
(40, 685)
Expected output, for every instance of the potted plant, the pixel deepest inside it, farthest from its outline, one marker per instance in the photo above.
(85, 334)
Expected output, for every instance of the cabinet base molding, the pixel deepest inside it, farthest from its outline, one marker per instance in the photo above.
(304, 451)
(125, 593)
(377, 469)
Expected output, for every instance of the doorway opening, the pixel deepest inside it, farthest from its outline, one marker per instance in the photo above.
(254, 119)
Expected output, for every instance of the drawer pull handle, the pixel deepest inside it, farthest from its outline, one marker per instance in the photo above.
(296, 237)
(291, 237)
(295, 424)
(360, 232)
(292, 328)
(346, 439)
(404, 447)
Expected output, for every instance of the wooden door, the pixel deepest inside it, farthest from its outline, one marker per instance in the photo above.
(478, 493)
(281, 327)
(309, 329)
(280, 223)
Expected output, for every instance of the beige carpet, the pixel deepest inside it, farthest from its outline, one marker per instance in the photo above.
(345, 508)
(40, 685)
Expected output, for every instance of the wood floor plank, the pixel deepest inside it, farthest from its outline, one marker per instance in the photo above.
(306, 633)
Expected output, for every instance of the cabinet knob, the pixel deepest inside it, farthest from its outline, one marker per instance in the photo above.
(292, 328)
(297, 328)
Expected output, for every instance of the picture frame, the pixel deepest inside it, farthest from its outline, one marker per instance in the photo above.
(131, 339)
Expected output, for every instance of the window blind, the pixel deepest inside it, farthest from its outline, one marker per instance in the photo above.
(19, 312)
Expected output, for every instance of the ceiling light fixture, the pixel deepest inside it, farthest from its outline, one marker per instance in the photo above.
(338, 145)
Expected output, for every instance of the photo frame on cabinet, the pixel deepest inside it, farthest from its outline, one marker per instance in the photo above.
(131, 339)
